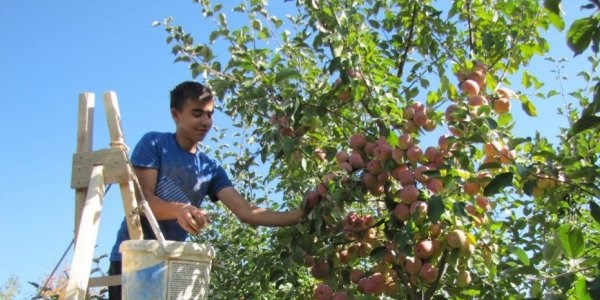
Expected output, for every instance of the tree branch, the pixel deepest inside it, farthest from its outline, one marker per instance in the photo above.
(413, 21)
(441, 270)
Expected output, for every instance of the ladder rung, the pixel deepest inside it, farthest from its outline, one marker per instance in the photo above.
(110, 280)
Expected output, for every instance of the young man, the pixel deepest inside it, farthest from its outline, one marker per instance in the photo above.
(175, 177)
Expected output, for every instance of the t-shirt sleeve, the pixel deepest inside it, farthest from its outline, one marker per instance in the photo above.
(219, 181)
(146, 152)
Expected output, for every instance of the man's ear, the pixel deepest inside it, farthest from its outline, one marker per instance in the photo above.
(174, 114)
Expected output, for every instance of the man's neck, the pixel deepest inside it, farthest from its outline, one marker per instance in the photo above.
(186, 144)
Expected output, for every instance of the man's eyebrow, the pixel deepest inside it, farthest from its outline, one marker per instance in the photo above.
(202, 110)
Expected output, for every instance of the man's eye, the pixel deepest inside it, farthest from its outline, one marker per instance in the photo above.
(200, 114)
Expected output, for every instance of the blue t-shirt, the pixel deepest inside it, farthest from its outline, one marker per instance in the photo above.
(182, 177)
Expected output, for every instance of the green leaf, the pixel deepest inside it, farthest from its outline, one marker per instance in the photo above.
(570, 240)
(580, 34)
(287, 74)
(526, 80)
(594, 288)
(378, 253)
(500, 181)
(550, 251)
(595, 210)
(557, 21)
(585, 123)
(581, 291)
(553, 6)
(565, 282)
(521, 255)
(435, 208)
(528, 107)
(593, 107)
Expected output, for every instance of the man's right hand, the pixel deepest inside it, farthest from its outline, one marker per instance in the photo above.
(192, 219)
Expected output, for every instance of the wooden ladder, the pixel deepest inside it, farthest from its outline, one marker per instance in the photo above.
(92, 170)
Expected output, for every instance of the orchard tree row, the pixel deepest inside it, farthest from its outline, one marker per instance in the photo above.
(394, 122)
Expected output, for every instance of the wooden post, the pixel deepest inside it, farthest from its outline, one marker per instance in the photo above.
(130, 205)
(85, 242)
(85, 123)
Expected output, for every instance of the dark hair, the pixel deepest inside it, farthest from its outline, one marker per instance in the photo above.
(189, 90)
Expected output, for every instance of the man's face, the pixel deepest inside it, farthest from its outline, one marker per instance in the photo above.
(194, 120)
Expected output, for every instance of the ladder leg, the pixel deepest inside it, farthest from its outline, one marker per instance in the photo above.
(130, 205)
(86, 238)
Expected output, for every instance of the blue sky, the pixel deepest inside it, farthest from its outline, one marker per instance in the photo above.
(52, 51)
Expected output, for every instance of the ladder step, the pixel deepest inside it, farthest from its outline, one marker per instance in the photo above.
(110, 280)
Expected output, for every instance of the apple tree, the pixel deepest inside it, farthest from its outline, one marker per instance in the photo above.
(394, 123)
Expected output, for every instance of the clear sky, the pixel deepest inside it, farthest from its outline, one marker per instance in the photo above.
(52, 51)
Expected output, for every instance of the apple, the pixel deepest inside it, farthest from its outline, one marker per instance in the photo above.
(273, 120)
(369, 180)
(409, 126)
(375, 166)
(347, 166)
(436, 248)
(420, 118)
(409, 112)
(284, 121)
(340, 295)
(428, 272)
(420, 175)
(370, 148)
(409, 194)
(398, 155)
(320, 269)
(463, 278)
(492, 148)
(435, 230)
(404, 175)
(506, 155)
(321, 155)
(383, 152)
(286, 131)
(503, 92)
(479, 77)
(435, 185)
(477, 100)
(383, 177)
(450, 112)
(484, 203)
(391, 288)
(470, 87)
(467, 249)
(312, 198)
(456, 238)
(342, 156)
(472, 188)
(344, 95)
(424, 249)
(309, 260)
(356, 160)
(402, 211)
(358, 141)
(501, 105)
(405, 141)
(414, 154)
(356, 275)
(323, 292)
(413, 265)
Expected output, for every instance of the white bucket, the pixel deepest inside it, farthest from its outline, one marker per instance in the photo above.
(177, 271)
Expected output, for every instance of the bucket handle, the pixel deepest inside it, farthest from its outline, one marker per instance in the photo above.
(148, 213)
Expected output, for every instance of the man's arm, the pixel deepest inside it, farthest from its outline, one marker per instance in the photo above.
(189, 217)
(250, 214)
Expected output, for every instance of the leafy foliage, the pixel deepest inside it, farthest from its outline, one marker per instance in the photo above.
(301, 88)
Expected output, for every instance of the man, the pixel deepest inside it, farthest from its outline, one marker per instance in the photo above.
(175, 177)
